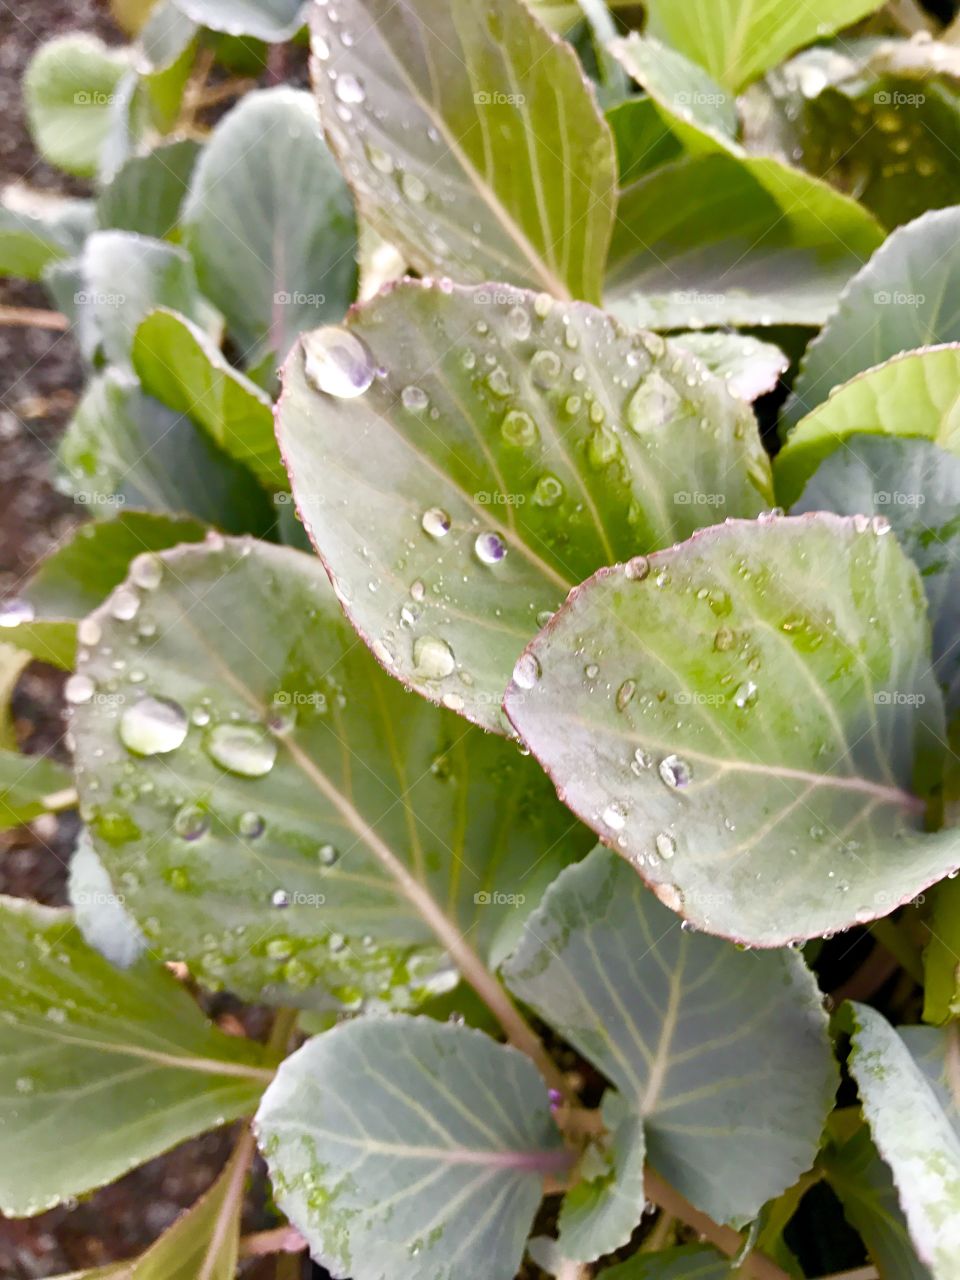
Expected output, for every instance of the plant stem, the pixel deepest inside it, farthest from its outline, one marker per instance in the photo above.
(280, 1240)
(33, 318)
(888, 933)
(659, 1236)
(284, 1025)
(728, 1241)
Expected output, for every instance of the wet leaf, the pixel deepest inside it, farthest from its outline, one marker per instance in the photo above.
(274, 20)
(29, 786)
(470, 138)
(291, 863)
(146, 192)
(366, 1124)
(749, 367)
(512, 446)
(768, 776)
(100, 1070)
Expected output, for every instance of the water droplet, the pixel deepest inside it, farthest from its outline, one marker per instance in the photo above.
(518, 318)
(591, 671)
(191, 822)
(251, 825)
(723, 640)
(348, 88)
(653, 404)
(15, 611)
(328, 854)
(146, 572)
(124, 604)
(433, 658)
(380, 159)
(614, 816)
(417, 590)
(89, 632)
(641, 761)
(666, 845)
(669, 895)
(436, 522)
(78, 690)
(545, 368)
(637, 569)
(153, 726)
(244, 749)
(518, 428)
(675, 771)
(746, 694)
(453, 702)
(490, 548)
(548, 491)
(413, 188)
(338, 362)
(527, 671)
(200, 716)
(625, 694)
(415, 399)
(280, 898)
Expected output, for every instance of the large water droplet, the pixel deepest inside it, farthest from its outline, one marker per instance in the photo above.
(433, 658)
(338, 362)
(518, 318)
(637, 569)
(527, 671)
(746, 694)
(153, 727)
(545, 368)
(547, 491)
(244, 749)
(653, 404)
(15, 611)
(436, 522)
(414, 398)
(146, 572)
(614, 816)
(625, 694)
(124, 604)
(490, 548)
(348, 89)
(413, 188)
(518, 428)
(88, 632)
(78, 690)
(666, 845)
(191, 822)
(251, 825)
(675, 771)
(328, 854)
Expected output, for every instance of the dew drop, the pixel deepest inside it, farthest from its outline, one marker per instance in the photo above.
(251, 825)
(337, 362)
(280, 898)
(527, 671)
(653, 404)
(614, 816)
(78, 690)
(518, 318)
(413, 188)
(124, 604)
(349, 89)
(669, 895)
(666, 845)
(545, 368)
(675, 771)
(146, 572)
(328, 854)
(243, 749)
(417, 591)
(433, 658)
(88, 632)
(191, 822)
(640, 762)
(746, 694)
(490, 548)
(415, 399)
(625, 694)
(153, 727)
(548, 491)
(518, 428)
(436, 522)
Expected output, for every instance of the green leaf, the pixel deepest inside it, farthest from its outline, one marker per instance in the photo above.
(688, 1262)
(100, 1071)
(294, 865)
(82, 571)
(37, 229)
(877, 118)
(271, 20)
(409, 1148)
(48, 640)
(504, 422)
(31, 785)
(644, 141)
(724, 1055)
(203, 1243)
(770, 245)
(146, 192)
(864, 1186)
(749, 367)
(914, 394)
(125, 448)
(908, 1088)
(98, 909)
(70, 87)
(941, 958)
(907, 296)
(118, 279)
(766, 776)
(738, 41)
(166, 36)
(12, 663)
(916, 486)
(179, 365)
(270, 223)
(475, 144)
(599, 1214)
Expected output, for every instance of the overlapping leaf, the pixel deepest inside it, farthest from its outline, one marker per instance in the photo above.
(99, 1070)
(511, 447)
(907, 296)
(29, 786)
(767, 775)
(288, 845)
(146, 192)
(914, 394)
(270, 223)
(470, 138)
(263, 19)
(749, 367)
(37, 229)
(908, 1088)
(410, 1148)
(724, 1055)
